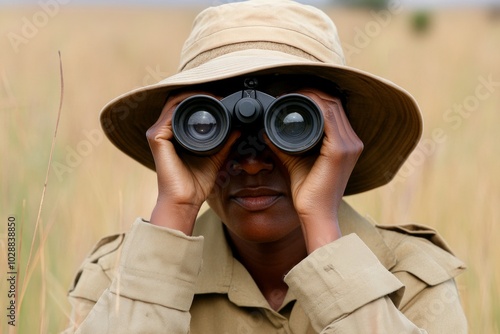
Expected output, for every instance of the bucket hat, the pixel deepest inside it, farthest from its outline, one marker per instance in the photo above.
(262, 37)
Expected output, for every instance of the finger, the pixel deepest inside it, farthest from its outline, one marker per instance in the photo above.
(298, 166)
(355, 145)
(226, 148)
(341, 142)
(335, 115)
(160, 134)
(326, 104)
(282, 156)
(334, 126)
(160, 137)
(344, 120)
(349, 143)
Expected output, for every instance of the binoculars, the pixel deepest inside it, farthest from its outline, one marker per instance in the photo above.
(292, 122)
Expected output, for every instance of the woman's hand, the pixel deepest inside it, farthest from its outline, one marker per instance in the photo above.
(184, 182)
(318, 183)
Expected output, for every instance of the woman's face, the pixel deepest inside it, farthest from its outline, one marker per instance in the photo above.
(252, 193)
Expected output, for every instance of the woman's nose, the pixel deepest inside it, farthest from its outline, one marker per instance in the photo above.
(253, 164)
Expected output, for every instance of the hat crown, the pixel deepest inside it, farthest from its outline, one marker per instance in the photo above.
(278, 25)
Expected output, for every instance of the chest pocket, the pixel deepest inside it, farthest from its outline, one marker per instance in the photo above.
(97, 270)
(422, 252)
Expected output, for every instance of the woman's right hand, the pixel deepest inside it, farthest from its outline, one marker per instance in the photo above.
(184, 183)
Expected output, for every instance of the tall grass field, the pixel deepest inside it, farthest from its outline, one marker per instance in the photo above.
(448, 59)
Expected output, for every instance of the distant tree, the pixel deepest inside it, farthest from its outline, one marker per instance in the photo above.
(494, 12)
(421, 21)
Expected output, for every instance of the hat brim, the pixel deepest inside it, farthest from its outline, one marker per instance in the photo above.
(384, 116)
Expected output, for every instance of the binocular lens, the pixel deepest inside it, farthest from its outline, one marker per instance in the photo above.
(294, 123)
(201, 124)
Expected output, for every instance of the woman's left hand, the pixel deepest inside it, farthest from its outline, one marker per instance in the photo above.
(318, 182)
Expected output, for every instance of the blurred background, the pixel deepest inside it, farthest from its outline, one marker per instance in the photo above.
(446, 53)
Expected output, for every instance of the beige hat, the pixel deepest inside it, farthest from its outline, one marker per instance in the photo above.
(277, 37)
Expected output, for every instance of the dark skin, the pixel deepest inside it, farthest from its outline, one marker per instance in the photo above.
(277, 208)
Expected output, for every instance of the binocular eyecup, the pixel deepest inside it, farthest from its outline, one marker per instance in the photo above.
(293, 122)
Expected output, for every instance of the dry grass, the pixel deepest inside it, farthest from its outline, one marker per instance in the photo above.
(454, 189)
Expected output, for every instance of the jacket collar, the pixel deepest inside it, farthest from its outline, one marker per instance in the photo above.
(221, 273)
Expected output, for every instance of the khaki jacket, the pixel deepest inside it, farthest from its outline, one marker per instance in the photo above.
(375, 279)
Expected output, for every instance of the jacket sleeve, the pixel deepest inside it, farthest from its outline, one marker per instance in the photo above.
(345, 289)
(165, 261)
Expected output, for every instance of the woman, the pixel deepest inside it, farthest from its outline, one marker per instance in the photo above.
(278, 251)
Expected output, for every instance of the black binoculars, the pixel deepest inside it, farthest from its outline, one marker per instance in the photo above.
(292, 122)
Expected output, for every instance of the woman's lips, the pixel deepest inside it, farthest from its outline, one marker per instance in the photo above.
(256, 203)
(256, 199)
